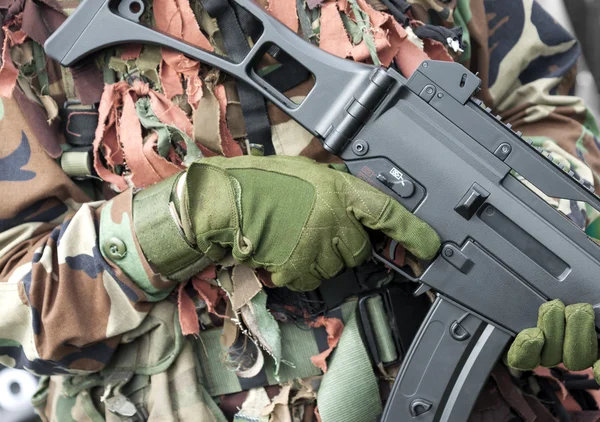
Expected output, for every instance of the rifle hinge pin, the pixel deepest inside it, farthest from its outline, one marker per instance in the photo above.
(358, 111)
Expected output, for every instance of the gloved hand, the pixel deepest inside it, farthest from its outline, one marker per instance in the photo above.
(301, 221)
(563, 334)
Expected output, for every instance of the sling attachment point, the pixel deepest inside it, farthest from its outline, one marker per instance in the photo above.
(79, 123)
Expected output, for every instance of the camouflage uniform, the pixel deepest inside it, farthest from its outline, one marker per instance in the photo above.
(78, 296)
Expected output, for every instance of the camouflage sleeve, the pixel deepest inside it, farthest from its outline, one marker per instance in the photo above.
(532, 71)
(63, 306)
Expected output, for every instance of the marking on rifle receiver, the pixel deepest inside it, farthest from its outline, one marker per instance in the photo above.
(398, 175)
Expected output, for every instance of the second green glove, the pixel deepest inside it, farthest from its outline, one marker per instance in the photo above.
(563, 335)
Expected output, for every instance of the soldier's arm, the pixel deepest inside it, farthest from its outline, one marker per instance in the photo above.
(63, 305)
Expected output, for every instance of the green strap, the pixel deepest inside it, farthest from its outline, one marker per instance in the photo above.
(68, 84)
(217, 378)
(159, 235)
(39, 58)
(298, 346)
(383, 332)
(349, 391)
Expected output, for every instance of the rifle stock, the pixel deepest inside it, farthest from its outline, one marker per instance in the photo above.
(432, 146)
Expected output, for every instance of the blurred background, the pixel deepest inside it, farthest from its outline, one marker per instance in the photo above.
(582, 19)
(16, 389)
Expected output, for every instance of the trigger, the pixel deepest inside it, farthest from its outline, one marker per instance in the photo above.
(423, 288)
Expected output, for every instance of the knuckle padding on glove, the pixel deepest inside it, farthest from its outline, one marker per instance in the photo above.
(596, 369)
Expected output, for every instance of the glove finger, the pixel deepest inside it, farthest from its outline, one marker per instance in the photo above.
(297, 281)
(551, 320)
(352, 257)
(580, 349)
(416, 235)
(526, 351)
(400, 224)
(596, 369)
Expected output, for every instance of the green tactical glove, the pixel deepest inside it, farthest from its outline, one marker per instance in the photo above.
(563, 335)
(301, 221)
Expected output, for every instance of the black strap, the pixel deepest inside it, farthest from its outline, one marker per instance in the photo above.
(250, 25)
(398, 9)
(552, 399)
(253, 104)
(289, 75)
(235, 22)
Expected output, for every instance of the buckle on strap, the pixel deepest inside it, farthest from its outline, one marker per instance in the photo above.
(79, 123)
(390, 319)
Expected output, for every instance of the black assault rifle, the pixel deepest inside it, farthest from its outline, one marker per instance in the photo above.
(432, 146)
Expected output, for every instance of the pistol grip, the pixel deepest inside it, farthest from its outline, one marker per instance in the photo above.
(446, 366)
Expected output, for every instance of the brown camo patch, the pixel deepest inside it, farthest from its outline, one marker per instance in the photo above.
(420, 13)
(20, 254)
(74, 312)
(568, 81)
(516, 114)
(571, 113)
(120, 205)
(592, 157)
(564, 130)
(49, 182)
(480, 54)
